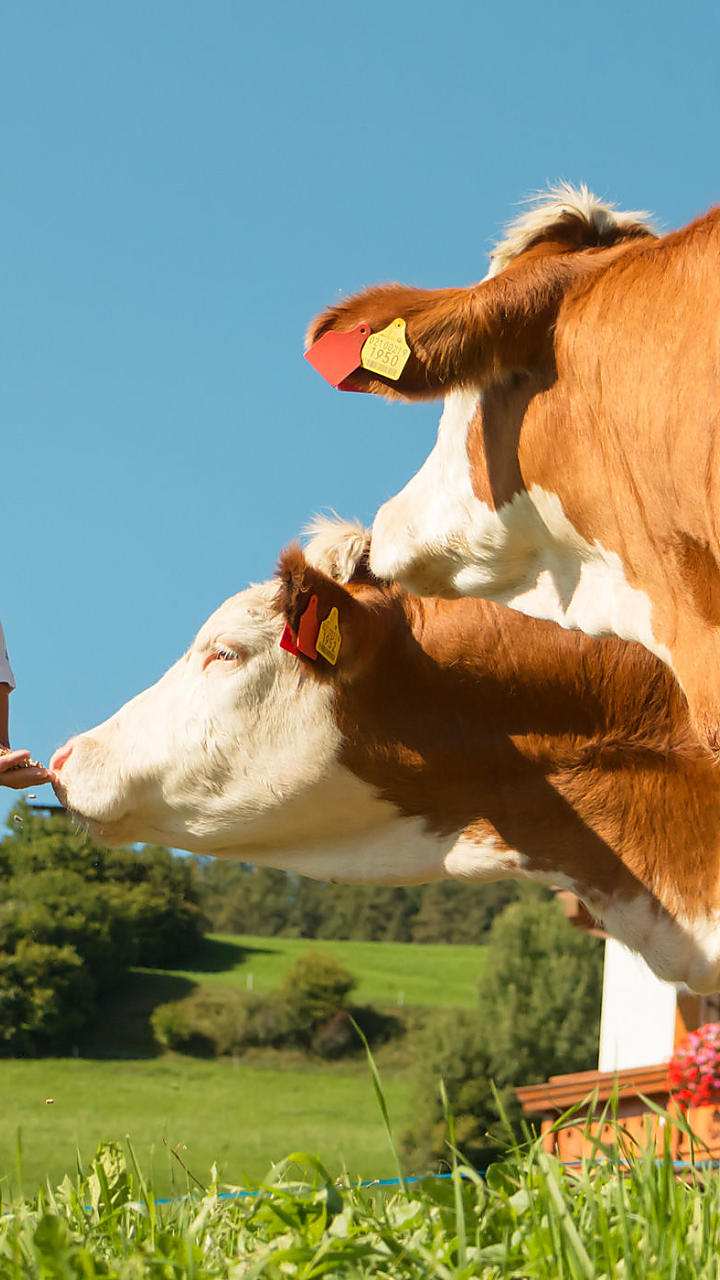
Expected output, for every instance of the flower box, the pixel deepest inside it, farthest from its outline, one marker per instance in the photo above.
(589, 1091)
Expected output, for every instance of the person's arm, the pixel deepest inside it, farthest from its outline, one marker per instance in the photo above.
(4, 715)
(12, 772)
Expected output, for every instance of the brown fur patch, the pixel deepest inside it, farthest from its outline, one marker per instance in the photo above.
(576, 752)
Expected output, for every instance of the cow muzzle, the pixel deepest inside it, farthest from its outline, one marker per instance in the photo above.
(85, 785)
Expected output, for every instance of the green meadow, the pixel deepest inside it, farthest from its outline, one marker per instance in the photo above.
(387, 972)
(243, 1115)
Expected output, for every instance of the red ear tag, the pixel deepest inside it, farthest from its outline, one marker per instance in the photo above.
(335, 355)
(347, 386)
(308, 627)
(287, 641)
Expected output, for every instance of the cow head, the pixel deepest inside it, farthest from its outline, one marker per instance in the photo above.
(573, 476)
(166, 767)
(236, 750)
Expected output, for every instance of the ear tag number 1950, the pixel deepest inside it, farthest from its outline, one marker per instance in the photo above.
(386, 352)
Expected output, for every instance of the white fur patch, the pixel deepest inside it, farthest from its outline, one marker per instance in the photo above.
(336, 546)
(676, 948)
(581, 586)
(416, 536)
(485, 858)
(356, 838)
(437, 538)
(554, 205)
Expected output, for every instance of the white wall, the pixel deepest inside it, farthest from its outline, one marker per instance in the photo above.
(638, 1013)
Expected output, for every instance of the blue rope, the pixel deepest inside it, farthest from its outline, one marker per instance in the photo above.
(355, 1186)
(423, 1177)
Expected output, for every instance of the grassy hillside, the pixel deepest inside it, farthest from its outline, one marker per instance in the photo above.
(387, 972)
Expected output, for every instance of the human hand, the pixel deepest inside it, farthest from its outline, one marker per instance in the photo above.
(18, 771)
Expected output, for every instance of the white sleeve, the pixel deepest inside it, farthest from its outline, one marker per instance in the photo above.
(6, 675)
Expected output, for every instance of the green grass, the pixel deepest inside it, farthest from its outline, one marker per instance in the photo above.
(387, 972)
(240, 1116)
(243, 1116)
(530, 1219)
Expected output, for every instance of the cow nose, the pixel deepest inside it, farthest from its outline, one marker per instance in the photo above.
(61, 756)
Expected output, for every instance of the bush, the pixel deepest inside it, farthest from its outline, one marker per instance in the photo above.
(272, 1021)
(338, 1036)
(538, 1014)
(223, 1021)
(453, 1046)
(204, 1022)
(540, 994)
(378, 1026)
(171, 1025)
(335, 1038)
(316, 988)
(153, 897)
(307, 1012)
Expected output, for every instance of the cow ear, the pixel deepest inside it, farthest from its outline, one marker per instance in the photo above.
(427, 313)
(334, 630)
(459, 337)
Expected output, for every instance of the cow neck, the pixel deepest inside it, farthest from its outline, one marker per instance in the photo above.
(576, 752)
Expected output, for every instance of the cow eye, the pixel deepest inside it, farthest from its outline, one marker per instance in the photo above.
(223, 654)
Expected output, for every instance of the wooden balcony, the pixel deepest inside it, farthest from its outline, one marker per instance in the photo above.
(591, 1091)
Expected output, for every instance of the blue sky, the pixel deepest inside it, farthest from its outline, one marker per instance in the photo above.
(183, 187)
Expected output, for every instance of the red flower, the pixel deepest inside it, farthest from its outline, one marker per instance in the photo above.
(694, 1069)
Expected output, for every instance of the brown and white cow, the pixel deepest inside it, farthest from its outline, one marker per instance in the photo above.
(576, 475)
(451, 739)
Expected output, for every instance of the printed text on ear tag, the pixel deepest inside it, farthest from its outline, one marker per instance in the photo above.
(328, 640)
(387, 352)
(336, 355)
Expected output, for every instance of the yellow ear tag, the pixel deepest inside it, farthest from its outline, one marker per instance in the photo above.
(328, 637)
(386, 352)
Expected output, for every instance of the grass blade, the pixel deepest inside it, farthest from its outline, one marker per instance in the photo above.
(377, 1085)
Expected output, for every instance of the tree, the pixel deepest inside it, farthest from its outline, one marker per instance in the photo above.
(540, 994)
(44, 994)
(238, 898)
(73, 917)
(463, 913)
(538, 1015)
